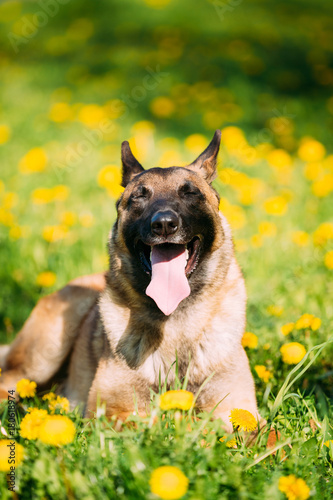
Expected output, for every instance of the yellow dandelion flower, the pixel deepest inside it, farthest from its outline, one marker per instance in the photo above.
(279, 158)
(4, 134)
(292, 353)
(294, 488)
(7, 218)
(41, 196)
(327, 443)
(60, 192)
(26, 388)
(34, 161)
(305, 321)
(92, 115)
(231, 443)
(17, 232)
(57, 430)
(275, 310)
(68, 218)
(31, 422)
(46, 279)
(11, 454)
(50, 396)
(267, 229)
(287, 328)
(109, 177)
(59, 403)
(324, 186)
(277, 205)
(162, 107)
(60, 112)
(263, 373)
(328, 259)
(243, 420)
(250, 340)
(311, 150)
(9, 200)
(233, 138)
(300, 238)
(181, 400)
(196, 143)
(316, 324)
(314, 170)
(168, 482)
(323, 233)
(54, 233)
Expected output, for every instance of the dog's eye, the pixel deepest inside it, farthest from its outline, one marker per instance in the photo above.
(189, 191)
(140, 194)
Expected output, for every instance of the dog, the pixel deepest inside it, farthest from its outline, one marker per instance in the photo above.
(173, 289)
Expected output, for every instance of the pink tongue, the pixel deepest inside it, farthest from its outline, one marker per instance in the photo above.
(169, 285)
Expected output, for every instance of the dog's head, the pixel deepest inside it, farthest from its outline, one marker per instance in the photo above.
(168, 225)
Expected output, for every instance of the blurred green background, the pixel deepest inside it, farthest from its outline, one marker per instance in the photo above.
(79, 77)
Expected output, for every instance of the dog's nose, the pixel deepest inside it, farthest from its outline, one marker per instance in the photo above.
(164, 223)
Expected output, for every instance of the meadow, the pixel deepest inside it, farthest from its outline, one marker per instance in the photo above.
(78, 78)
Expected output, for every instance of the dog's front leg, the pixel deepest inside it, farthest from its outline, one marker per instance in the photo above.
(231, 388)
(120, 389)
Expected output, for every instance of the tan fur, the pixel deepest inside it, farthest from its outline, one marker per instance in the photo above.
(120, 349)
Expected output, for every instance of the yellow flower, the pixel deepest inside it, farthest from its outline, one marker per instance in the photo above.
(60, 112)
(233, 138)
(50, 396)
(26, 388)
(162, 107)
(323, 233)
(4, 134)
(92, 115)
(324, 186)
(300, 238)
(54, 233)
(294, 488)
(287, 328)
(47, 278)
(59, 403)
(256, 240)
(231, 443)
(311, 150)
(196, 143)
(243, 420)
(263, 373)
(316, 323)
(328, 259)
(327, 443)
(182, 400)
(9, 452)
(308, 321)
(292, 353)
(30, 424)
(57, 430)
(250, 340)
(41, 196)
(279, 158)
(168, 482)
(109, 177)
(68, 218)
(276, 205)
(275, 310)
(313, 171)
(34, 161)
(17, 232)
(60, 192)
(267, 229)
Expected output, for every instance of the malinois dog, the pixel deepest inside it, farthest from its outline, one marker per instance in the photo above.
(173, 289)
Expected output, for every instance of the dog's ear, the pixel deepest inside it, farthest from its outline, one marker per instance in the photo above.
(131, 166)
(205, 164)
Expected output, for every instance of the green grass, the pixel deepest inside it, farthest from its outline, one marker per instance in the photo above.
(262, 61)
